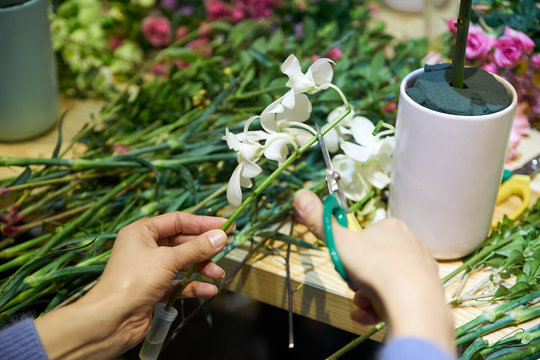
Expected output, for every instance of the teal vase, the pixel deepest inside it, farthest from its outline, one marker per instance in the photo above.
(28, 82)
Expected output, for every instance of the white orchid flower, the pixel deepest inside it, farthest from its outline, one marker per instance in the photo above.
(276, 117)
(339, 133)
(318, 77)
(249, 152)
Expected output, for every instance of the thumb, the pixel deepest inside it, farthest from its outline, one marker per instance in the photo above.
(309, 211)
(200, 248)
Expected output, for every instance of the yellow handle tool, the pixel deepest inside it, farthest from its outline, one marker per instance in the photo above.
(519, 185)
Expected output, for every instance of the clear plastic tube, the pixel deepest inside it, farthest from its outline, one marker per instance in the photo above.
(161, 323)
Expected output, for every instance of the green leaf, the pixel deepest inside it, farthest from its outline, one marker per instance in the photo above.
(56, 150)
(287, 239)
(502, 291)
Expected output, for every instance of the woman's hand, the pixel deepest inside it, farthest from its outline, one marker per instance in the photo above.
(116, 314)
(386, 263)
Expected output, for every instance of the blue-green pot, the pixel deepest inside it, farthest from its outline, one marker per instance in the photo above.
(28, 81)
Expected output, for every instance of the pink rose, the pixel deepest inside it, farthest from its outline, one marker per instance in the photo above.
(157, 30)
(216, 9)
(181, 32)
(373, 9)
(535, 60)
(390, 107)
(526, 42)
(451, 25)
(334, 53)
(508, 52)
(490, 67)
(315, 58)
(478, 43)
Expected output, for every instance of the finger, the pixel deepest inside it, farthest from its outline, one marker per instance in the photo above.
(366, 316)
(197, 289)
(210, 269)
(309, 211)
(177, 222)
(199, 249)
(182, 238)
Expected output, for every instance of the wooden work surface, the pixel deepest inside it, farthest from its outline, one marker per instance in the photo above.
(324, 296)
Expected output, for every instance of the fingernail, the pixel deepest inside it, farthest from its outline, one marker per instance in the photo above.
(305, 202)
(217, 238)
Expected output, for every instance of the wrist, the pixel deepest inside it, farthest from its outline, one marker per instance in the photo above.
(82, 330)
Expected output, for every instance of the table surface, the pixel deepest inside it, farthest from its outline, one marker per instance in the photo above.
(323, 296)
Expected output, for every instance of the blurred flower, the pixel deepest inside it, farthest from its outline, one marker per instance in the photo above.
(298, 29)
(205, 29)
(390, 107)
(169, 4)
(334, 53)
(181, 64)
(451, 25)
(490, 67)
(373, 9)
(157, 30)
(535, 60)
(200, 46)
(478, 43)
(217, 9)
(432, 58)
(187, 10)
(161, 68)
(181, 32)
(520, 128)
(526, 42)
(508, 52)
(114, 42)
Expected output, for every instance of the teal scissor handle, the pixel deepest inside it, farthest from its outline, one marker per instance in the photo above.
(332, 208)
(507, 174)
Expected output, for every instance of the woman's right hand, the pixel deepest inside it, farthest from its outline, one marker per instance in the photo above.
(386, 263)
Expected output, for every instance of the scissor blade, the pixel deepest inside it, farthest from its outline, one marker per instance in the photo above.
(324, 149)
(530, 168)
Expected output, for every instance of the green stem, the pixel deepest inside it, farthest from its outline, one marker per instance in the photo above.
(462, 25)
(514, 318)
(378, 327)
(16, 249)
(526, 352)
(358, 205)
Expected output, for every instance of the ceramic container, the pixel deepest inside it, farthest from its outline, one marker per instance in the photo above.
(446, 172)
(28, 83)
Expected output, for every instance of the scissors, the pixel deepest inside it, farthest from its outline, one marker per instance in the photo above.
(518, 182)
(335, 205)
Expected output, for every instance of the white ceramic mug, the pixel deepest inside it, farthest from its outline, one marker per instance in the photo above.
(446, 172)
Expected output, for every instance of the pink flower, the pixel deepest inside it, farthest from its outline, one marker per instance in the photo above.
(205, 29)
(157, 30)
(216, 9)
(334, 53)
(490, 67)
(181, 32)
(432, 58)
(390, 107)
(373, 9)
(535, 60)
(315, 58)
(160, 69)
(526, 42)
(238, 15)
(508, 52)
(451, 25)
(120, 149)
(256, 9)
(478, 43)
(181, 64)
(115, 42)
(200, 46)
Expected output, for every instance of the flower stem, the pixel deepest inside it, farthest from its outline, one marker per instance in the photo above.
(462, 25)
(378, 327)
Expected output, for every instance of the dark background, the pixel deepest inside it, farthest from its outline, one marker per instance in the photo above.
(237, 327)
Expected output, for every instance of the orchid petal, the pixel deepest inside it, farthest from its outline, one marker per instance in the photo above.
(288, 100)
(232, 141)
(350, 182)
(277, 150)
(362, 131)
(331, 139)
(268, 116)
(321, 72)
(234, 192)
(356, 152)
(301, 136)
(250, 170)
(297, 80)
(300, 112)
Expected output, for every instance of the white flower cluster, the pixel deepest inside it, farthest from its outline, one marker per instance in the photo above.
(282, 123)
(366, 161)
